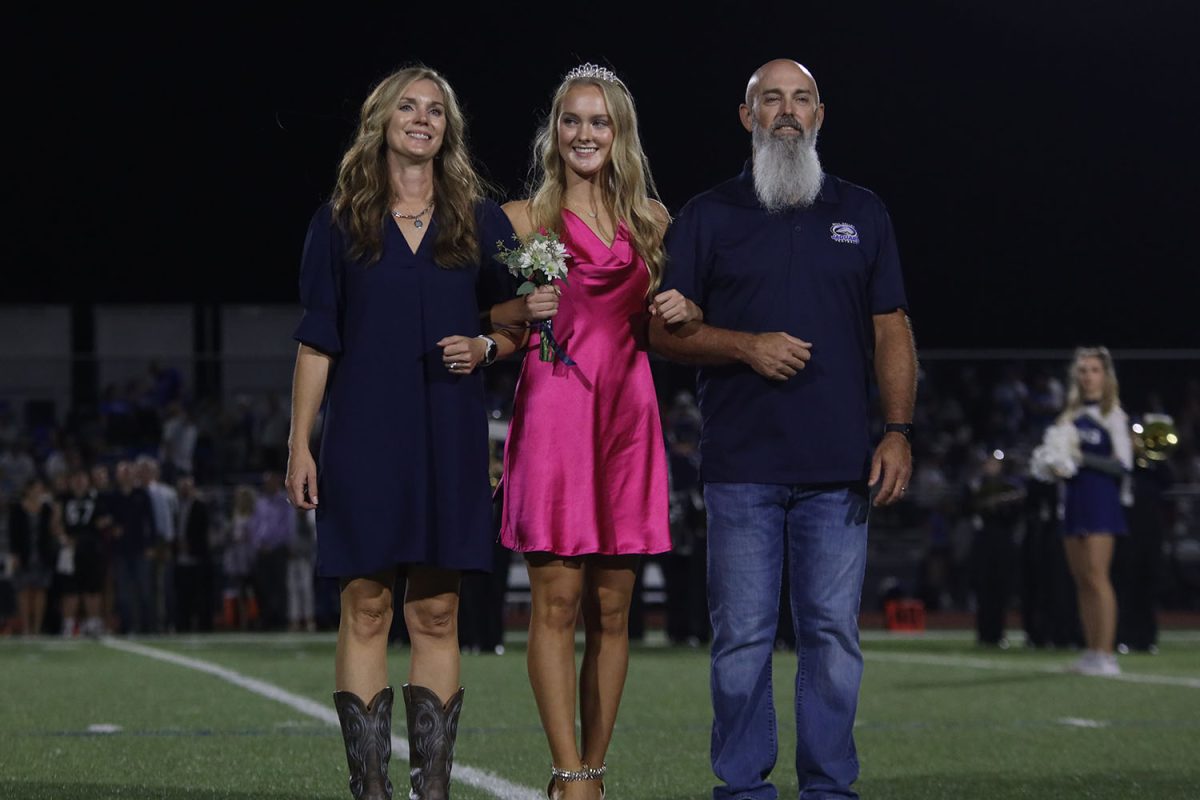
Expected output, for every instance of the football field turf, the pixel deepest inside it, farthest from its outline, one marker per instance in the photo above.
(250, 716)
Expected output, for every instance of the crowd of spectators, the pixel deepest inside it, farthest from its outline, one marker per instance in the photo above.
(160, 511)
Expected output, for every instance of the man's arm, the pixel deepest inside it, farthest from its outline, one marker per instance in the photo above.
(776, 355)
(896, 374)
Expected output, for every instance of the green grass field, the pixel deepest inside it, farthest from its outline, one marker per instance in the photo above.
(250, 717)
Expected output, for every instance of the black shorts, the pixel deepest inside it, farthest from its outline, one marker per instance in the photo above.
(89, 567)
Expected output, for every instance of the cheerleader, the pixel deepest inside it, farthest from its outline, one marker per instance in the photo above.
(1096, 487)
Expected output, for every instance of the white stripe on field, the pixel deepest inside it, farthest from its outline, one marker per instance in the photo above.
(1080, 722)
(1022, 666)
(481, 779)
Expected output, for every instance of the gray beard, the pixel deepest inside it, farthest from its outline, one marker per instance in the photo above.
(787, 172)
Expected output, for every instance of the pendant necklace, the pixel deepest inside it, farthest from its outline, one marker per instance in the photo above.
(416, 218)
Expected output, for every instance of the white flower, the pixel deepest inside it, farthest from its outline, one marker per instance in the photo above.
(540, 259)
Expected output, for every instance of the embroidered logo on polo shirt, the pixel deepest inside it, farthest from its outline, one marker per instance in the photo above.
(843, 232)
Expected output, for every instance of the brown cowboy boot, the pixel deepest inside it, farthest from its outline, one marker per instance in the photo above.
(432, 729)
(367, 734)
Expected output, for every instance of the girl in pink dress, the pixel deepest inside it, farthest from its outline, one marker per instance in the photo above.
(585, 475)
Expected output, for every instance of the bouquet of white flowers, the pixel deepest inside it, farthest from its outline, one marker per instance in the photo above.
(540, 259)
(1058, 456)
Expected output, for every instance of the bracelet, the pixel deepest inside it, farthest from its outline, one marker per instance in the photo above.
(585, 774)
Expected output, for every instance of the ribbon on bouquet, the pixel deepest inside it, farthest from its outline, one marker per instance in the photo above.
(550, 347)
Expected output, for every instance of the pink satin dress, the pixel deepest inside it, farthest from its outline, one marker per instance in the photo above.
(585, 467)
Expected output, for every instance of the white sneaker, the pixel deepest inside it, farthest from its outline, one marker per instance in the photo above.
(1093, 662)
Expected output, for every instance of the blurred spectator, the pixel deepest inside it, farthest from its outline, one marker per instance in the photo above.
(164, 505)
(300, 574)
(996, 502)
(178, 447)
(102, 485)
(272, 529)
(133, 542)
(83, 583)
(54, 461)
(193, 560)
(1138, 556)
(238, 562)
(17, 467)
(34, 534)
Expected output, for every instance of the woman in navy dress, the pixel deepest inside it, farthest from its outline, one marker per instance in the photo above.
(1093, 510)
(396, 270)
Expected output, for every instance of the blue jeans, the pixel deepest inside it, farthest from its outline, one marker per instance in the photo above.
(821, 534)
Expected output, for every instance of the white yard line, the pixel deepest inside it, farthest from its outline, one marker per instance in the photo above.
(481, 779)
(1021, 666)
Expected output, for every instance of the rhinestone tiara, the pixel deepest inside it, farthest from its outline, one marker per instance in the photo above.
(590, 70)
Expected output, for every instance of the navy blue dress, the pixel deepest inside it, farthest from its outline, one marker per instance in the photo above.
(1093, 498)
(402, 472)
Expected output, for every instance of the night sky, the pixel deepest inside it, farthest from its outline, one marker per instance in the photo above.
(1039, 159)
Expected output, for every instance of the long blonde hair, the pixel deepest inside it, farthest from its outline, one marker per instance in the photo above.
(626, 184)
(1110, 395)
(362, 198)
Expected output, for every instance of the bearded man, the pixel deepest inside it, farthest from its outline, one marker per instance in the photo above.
(799, 277)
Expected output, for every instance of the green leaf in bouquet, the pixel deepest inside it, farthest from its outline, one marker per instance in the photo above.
(526, 288)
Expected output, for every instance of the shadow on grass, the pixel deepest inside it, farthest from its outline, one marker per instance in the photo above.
(56, 790)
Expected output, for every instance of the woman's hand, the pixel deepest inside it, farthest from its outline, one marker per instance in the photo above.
(674, 308)
(542, 303)
(301, 478)
(462, 354)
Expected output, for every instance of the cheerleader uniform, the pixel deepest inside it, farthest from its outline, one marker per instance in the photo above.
(1094, 496)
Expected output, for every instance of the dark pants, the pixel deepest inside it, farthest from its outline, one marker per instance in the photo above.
(1136, 567)
(134, 591)
(1048, 608)
(994, 560)
(270, 587)
(687, 595)
(194, 607)
(481, 605)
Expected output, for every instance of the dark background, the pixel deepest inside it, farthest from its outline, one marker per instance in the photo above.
(1039, 159)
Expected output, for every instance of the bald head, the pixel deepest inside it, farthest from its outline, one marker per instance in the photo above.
(777, 73)
(782, 92)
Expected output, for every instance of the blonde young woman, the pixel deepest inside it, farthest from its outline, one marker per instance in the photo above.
(585, 478)
(1092, 501)
(396, 270)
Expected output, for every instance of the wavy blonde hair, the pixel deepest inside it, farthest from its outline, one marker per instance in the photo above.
(362, 198)
(625, 180)
(1110, 396)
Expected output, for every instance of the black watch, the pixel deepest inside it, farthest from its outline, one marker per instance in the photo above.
(490, 356)
(904, 428)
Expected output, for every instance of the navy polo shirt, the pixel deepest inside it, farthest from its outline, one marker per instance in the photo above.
(817, 273)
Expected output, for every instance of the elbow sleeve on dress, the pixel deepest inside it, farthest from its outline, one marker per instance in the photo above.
(320, 288)
(495, 284)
